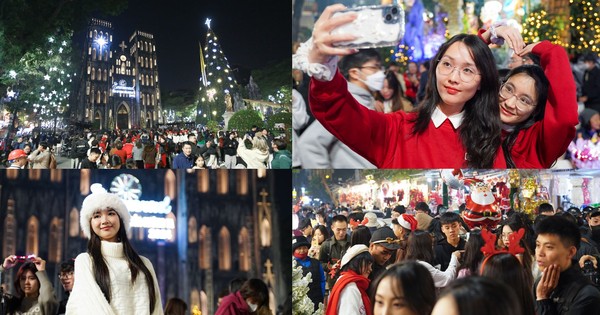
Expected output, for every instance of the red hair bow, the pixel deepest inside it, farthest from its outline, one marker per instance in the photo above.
(355, 223)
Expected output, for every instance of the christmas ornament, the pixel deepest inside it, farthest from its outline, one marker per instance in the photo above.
(481, 207)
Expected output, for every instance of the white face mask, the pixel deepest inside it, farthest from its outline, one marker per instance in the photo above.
(252, 307)
(375, 81)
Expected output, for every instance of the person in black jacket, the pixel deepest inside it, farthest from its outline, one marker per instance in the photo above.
(79, 151)
(67, 270)
(230, 150)
(562, 288)
(590, 92)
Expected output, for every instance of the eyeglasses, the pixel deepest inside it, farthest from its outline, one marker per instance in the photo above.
(523, 102)
(374, 68)
(466, 74)
(65, 275)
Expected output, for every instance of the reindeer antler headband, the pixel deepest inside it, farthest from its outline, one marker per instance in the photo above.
(489, 249)
(356, 223)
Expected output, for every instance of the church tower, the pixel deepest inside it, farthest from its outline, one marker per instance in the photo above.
(93, 88)
(120, 91)
(145, 71)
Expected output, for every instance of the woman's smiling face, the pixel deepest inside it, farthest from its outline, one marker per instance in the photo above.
(518, 99)
(106, 224)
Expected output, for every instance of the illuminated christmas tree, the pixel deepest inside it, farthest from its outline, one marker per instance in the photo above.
(218, 91)
(584, 26)
(40, 85)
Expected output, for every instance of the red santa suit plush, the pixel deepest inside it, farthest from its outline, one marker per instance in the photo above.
(481, 207)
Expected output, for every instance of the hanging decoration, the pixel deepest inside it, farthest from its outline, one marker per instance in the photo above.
(481, 206)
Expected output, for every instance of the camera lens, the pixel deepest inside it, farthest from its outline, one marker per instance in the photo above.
(388, 17)
(394, 10)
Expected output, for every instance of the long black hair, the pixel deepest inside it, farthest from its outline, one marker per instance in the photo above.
(476, 295)
(506, 268)
(480, 131)
(416, 283)
(541, 87)
(420, 246)
(473, 255)
(134, 261)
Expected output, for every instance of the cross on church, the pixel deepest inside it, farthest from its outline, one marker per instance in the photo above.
(264, 206)
(123, 46)
(263, 193)
(269, 276)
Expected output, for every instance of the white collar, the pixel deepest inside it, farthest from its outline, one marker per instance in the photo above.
(438, 118)
(112, 249)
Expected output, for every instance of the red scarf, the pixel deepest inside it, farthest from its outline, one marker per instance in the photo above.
(345, 278)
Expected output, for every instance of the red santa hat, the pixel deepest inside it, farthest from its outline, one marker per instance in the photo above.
(408, 222)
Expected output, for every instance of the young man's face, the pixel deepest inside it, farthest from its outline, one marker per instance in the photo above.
(550, 250)
(451, 230)
(380, 254)
(187, 149)
(339, 230)
(308, 231)
(94, 157)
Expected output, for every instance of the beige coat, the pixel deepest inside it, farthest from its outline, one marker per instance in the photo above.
(40, 159)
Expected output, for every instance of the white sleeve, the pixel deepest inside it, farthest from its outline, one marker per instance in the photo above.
(442, 278)
(86, 297)
(350, 301)
(323, 72)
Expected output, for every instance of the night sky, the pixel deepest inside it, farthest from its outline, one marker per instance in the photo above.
(252, 34)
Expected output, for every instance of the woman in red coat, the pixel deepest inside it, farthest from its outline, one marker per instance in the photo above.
(456, 125)
(538, 107)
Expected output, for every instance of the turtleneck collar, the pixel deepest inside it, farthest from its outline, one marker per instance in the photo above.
(112, 249)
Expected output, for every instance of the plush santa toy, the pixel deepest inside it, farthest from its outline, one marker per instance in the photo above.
(481, 207)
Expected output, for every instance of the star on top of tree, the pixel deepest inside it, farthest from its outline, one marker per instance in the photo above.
(207, 22)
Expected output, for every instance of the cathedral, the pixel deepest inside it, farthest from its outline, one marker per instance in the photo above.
(199, 229)
(118, 86)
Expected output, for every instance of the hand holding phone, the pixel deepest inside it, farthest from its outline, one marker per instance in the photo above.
(25, 258)
(374, 26)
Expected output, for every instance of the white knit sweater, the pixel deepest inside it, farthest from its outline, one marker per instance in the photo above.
(126, 299)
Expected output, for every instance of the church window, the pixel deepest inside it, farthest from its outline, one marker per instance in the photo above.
(224, 249)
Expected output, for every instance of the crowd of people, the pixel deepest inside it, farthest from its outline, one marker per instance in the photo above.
(110, 277)
(456, 110)
(150, 149)
(403, 260)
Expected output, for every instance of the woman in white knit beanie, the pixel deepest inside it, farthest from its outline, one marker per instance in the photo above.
(111, 278)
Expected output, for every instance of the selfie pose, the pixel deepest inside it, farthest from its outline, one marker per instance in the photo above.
(456, 125)
(538, 107)
(111, 277)
(34, 292)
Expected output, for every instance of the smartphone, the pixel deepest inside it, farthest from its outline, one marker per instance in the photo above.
(25, 258)
(375, 26)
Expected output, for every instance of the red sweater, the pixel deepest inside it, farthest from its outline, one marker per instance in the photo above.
(541, 144)
(385, 139)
